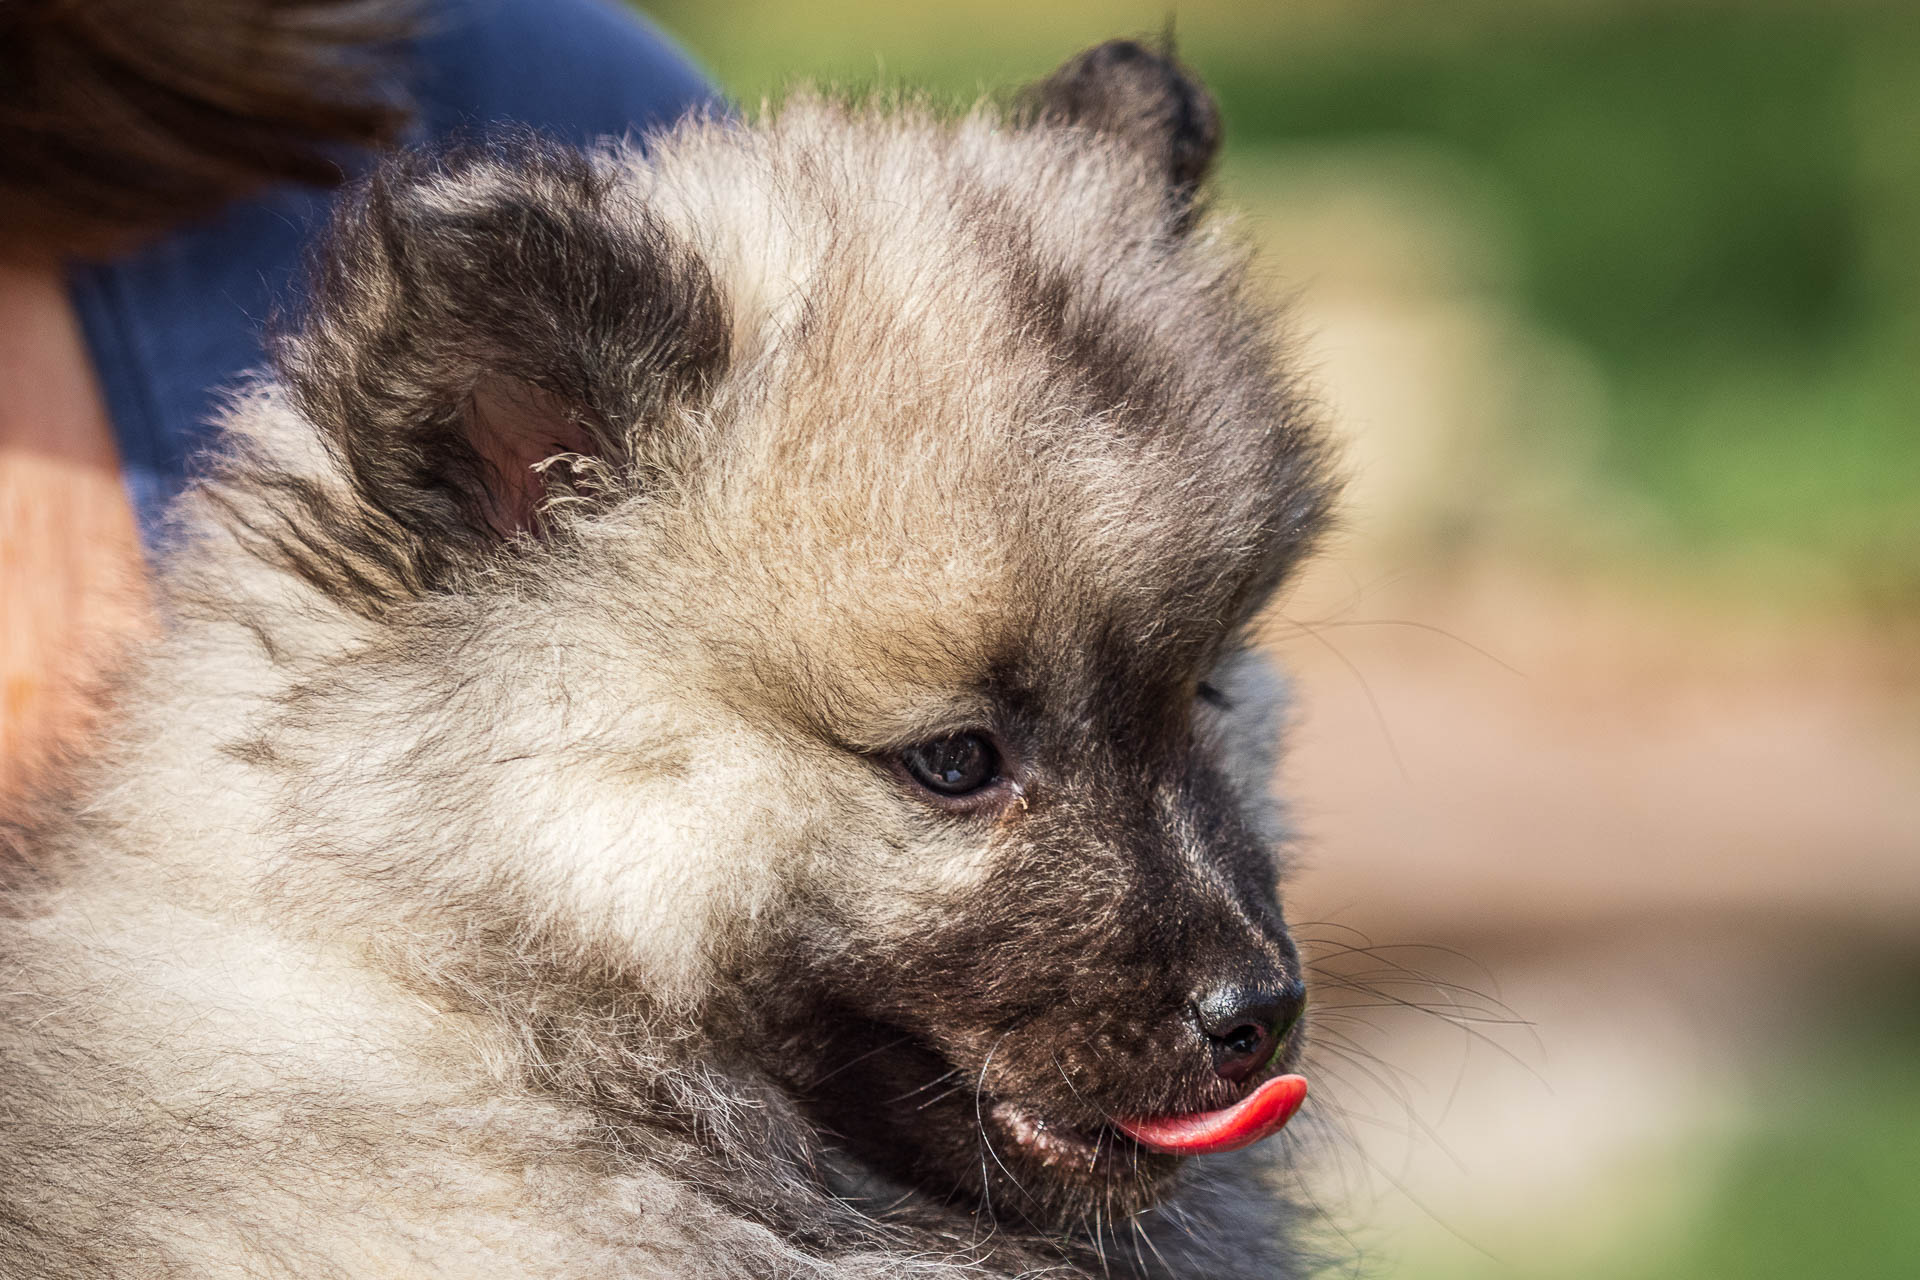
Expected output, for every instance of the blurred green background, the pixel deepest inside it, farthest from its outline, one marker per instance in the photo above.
(1618, 305)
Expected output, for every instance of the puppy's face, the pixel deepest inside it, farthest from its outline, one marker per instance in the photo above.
(906, 488)
(1058, 910)
(1017, 754)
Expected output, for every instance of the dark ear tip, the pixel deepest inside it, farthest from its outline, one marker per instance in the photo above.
(1122, 53)
(1145, 95)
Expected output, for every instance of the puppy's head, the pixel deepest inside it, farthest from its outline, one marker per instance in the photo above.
(840, 536)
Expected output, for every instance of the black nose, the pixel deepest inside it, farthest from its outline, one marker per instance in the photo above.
(1245, 1023)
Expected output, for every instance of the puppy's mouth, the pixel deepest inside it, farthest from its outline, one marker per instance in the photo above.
(913, 1111)
(1055, 1145)
(1258, 1116)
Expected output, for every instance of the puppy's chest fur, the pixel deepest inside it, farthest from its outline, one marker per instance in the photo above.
(201, 1098)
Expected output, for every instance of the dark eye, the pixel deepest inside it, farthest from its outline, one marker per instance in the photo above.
(1212, 696)
(953, 766)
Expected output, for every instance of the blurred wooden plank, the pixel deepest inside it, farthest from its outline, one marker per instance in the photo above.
(1615, 752)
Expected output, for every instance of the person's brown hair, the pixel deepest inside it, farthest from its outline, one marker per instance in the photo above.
(122, 118)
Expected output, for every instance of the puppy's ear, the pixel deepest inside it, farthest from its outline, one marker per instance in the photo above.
(1147, 99)
(491, 328)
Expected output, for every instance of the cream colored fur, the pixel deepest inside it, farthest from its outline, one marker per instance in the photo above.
(303, 981)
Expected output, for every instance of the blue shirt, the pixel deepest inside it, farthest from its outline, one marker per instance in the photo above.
(173, 326)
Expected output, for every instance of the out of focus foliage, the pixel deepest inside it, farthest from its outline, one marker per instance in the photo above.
(1821, 1183)
(1719, 201)
(1828, 1185)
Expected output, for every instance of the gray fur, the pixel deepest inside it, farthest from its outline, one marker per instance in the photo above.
(497, 863)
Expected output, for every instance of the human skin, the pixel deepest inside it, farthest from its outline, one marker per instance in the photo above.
(72, 590)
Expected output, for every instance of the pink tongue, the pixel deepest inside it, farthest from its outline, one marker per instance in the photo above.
(1260, 1114)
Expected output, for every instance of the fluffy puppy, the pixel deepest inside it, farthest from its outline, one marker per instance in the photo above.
(705, 729)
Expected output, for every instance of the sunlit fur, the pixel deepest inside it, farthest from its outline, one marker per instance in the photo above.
(477, 888)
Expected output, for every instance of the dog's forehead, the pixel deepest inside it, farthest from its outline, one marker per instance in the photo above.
(938, 533)
(984, 403)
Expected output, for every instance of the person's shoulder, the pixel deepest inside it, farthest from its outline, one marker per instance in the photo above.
(579, 69)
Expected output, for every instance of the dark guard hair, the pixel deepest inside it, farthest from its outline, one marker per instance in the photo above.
(454, 344)
(1125, 90)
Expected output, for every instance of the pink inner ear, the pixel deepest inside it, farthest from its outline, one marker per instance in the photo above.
(515, 427)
